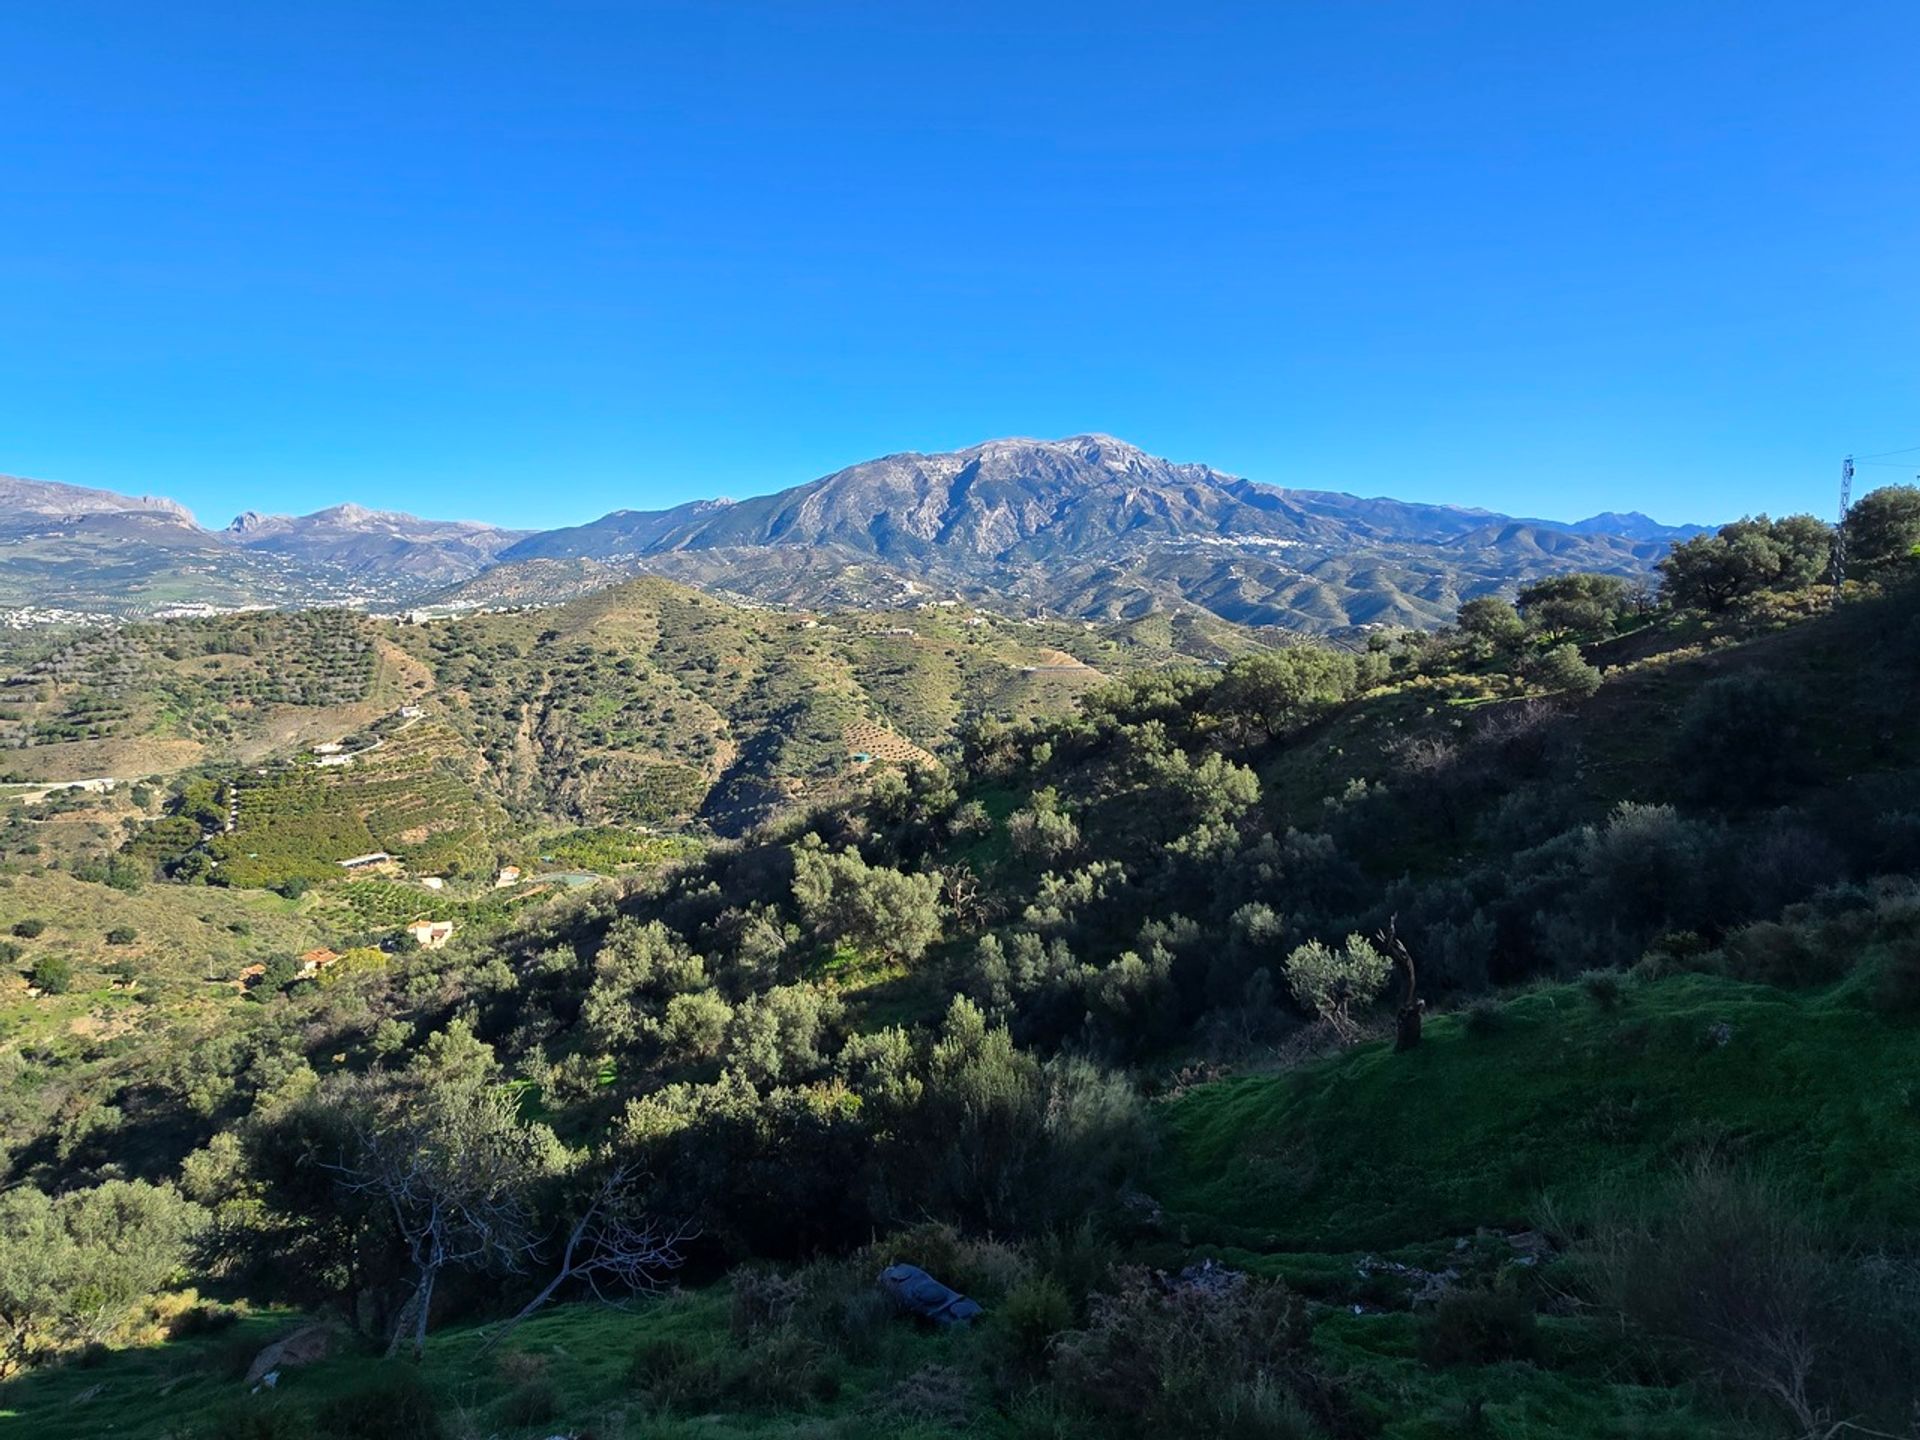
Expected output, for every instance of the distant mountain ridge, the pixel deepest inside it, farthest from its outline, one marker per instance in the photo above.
(1089, 526)
(429, 551)
(1095, 527)
(21, 497)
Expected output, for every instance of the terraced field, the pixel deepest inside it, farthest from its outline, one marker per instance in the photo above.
(419, 797)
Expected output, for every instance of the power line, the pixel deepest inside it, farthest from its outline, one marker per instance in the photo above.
(1883, 454)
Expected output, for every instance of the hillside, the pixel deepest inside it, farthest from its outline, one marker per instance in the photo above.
(642, 704)
(652, 703)
(1100, 1021)
(1273, 1175)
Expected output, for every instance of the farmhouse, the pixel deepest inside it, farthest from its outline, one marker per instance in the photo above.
(314, 961)
(431, 934)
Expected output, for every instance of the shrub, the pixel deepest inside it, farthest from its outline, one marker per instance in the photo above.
(1479, 1327)
(53, 974)
(1736, 742)
(783, 1371)
(122, 935)
(1896, 987)
(1670, 954)
(1736, 1274)
(534, 1402)
(1482, 1017)
(186, 1314)
(1563, 671)
(761, 1300)
(1773, 954)
(1333, 981)
(872, 907)
(394, 1405)
(29, 929)
(1047, 836)
(1189, 1359)
(674, 1372)
(1603, 987)
(1027, 1320)
(845, 1305)
(936, 1397)
(980, 1268)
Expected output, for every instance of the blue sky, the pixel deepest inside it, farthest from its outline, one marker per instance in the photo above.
(531, 262)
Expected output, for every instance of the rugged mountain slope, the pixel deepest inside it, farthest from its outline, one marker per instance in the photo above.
(67, 550)
(621, 533)
(19, 497)
(1095, 527)
(140, 562)
(1089, 526)
(385, 541)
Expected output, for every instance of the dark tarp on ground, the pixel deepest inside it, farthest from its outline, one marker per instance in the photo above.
(925, 1296)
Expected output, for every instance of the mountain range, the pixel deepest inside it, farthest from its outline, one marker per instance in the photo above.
(1089, 527)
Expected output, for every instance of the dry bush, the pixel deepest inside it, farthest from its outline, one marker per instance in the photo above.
(1166, 1359)
(762, 1300)
(1732, 1276)
(934, 1396)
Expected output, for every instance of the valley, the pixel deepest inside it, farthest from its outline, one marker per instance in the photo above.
(959, 722)
(1066, 961)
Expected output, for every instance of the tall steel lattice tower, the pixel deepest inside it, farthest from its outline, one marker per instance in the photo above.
(1840, 530)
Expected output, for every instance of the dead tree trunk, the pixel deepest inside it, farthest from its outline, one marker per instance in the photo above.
(1406, 1033)
(612, 1242)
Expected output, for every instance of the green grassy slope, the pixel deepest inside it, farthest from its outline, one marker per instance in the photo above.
(1560, 1095)
(582, 1356)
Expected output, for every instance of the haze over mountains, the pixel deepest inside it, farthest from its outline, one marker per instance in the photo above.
(1087, 526)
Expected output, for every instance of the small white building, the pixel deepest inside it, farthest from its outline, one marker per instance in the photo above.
(431, 934)
(434, 882)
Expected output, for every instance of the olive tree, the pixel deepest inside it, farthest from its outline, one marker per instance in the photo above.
(1580, 604)
(1332, 981)
(74, 1268)
(1884, 526)
(442, 1151)
(1711, 572)
(1277, 691)
(872, 906)
(1564, 671)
